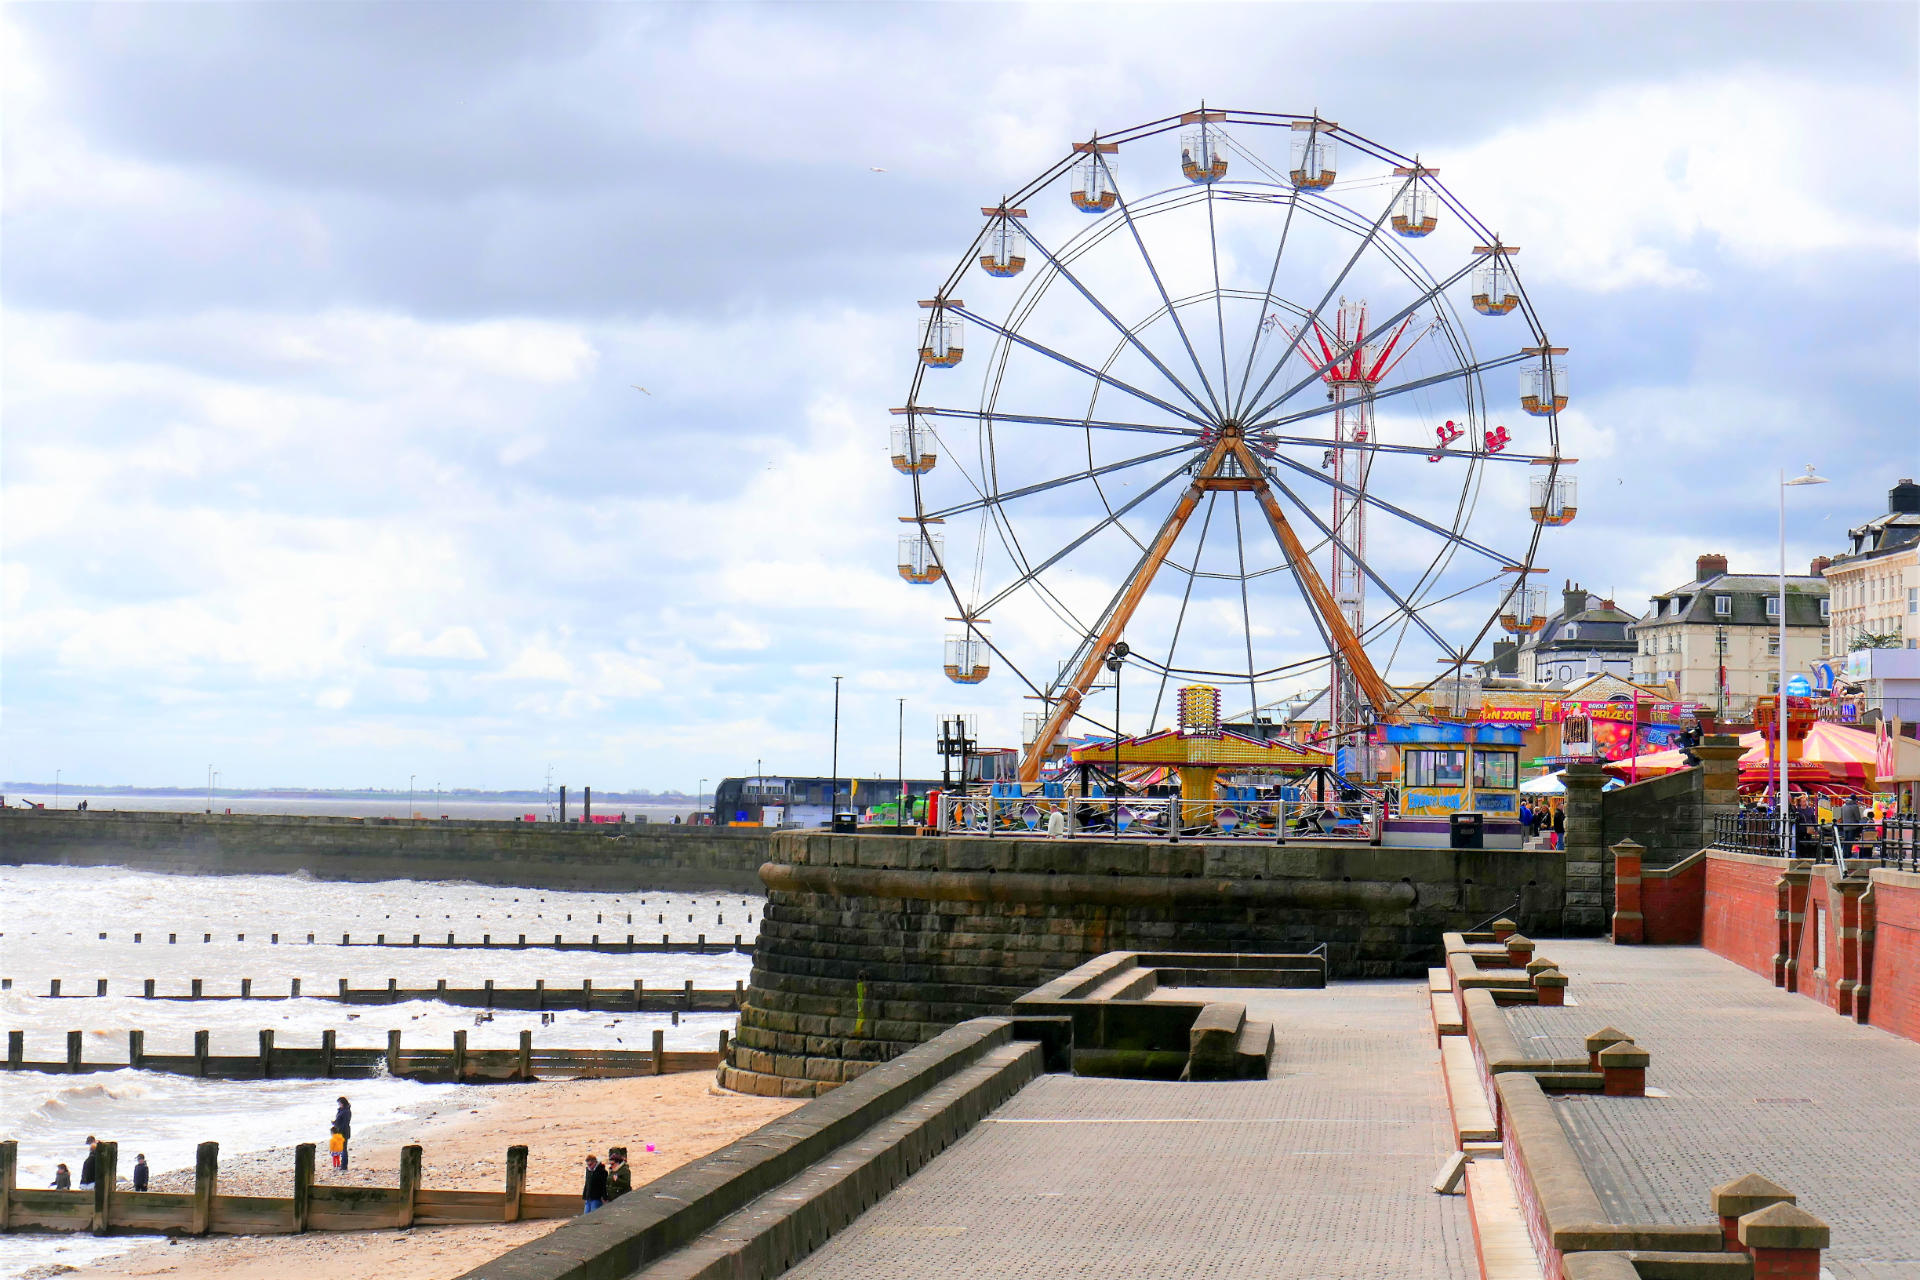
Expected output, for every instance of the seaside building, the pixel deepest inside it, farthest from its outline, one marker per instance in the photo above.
(1875, 583)
(1586, 637)
(1716, 640)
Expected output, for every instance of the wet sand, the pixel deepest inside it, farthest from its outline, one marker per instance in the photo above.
(683, 1116)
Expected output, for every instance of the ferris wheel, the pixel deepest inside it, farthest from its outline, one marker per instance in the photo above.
(1241, 416)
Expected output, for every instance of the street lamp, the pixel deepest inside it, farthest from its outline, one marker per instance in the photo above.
(1780, 690)
(410, 778)
(699, 797)
(1116, 658)
(56, 788)
(209, 789)
(836, 749)
(900, 797)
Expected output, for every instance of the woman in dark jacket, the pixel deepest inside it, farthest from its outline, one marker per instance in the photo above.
(594, 1193)
(343, 1121)
(619, 1174)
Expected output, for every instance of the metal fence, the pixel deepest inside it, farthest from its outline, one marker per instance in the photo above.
(1893, 842)
(1160, 818)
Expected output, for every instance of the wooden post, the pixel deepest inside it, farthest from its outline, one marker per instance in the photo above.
(200, 1053)
(702, 944)
(206, 1183)
(246, 988)
(723, 1044)
(459, 1055)
(53, 989)
(659, 1053)
(74, 1049)
(16, 1049)
(525, 1068)
(100, 987)
(449, 939)
(393, 1053)
(440, 991)
(302, 1185)
(516, 1181)
(136, 1049)
(197, 988)
(739, 993)
(326, 1053)
(686, 1000)
(106, 1178)
(149, 989)
(489, 993)
(540, 994)
(393, 991)
(639, 992)
(293, 992)
(266, 1053)
(586, 994)
(410, 1175)
(10, 1170)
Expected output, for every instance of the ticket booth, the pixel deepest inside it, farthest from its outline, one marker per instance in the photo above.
(1457, 771)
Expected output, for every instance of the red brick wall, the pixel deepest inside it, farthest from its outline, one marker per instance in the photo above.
(1673, 904)
(1738, 917)
(1893, 997)
(1820, 913)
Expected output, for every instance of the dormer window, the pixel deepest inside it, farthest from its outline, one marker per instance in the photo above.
(1826, 605)
(1723, 606)
(1773, 606)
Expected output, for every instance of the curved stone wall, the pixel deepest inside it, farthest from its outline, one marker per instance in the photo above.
(870, 945)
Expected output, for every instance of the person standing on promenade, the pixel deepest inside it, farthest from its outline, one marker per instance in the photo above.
(1559, 825)
(89, 1167)
(140, 1172)
(594, 1193)
(343, 1124)
(619, 1174)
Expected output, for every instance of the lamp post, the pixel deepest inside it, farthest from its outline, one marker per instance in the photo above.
(1780, 689)
(900, 798)
(699, 797)
(209, 789)
(410, 778)
(836, 749)
(56, 788)
(1117, 658)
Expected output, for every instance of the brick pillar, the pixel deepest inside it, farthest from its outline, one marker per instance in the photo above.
(1623, 1070)
(1583, 851)
(1550, 988)
(1720, 780)
(1503, 929)
(1785, 1241)
(1519, 951)
(1629, 926)
(1792, 887)
(1734, 1200)
(1845, 894)
(1604, 1038)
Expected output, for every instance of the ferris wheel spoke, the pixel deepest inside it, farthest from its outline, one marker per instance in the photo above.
(1321, 367)
(1399, 389)
(1327, 532)
(1246, 609)
(1260, 329)
(1132, 338)
(1112, 518)
(1359, 251)
(1375, 500)
(1042, 420)
(1219, 299)
(1071, 363)
(1180, 618)
(1073, 477)
(1126, 214)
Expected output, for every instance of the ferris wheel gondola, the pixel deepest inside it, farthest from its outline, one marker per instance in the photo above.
(1233, 420)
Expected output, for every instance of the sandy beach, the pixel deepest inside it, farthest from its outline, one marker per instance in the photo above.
(683, 1116)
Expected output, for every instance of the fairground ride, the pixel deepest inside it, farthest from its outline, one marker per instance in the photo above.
(1295, 352)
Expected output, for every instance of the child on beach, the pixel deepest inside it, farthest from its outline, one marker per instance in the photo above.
(337, 1144)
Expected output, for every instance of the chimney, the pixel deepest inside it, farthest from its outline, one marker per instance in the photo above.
(1819, 565)
(1904, 498)
(1573, 600)
(1506, 659)
(1709, 566)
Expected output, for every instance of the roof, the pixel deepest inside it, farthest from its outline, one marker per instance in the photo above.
(1880, 536)
(1750, 593)
(1599, 627)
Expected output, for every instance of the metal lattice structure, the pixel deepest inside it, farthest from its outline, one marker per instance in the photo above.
(1236, 415)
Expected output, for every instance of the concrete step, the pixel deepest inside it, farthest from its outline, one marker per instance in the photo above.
(1255, 1051)
(1499, 1228)
(1447, 1018)
(1127, 984)
(1439, 980)
(1213, 1043)
(1472, 1114)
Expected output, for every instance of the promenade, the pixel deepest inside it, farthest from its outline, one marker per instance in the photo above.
(1322, 1170)
(1755, 1080)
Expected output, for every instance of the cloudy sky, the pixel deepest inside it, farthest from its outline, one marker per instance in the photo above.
(323, 460)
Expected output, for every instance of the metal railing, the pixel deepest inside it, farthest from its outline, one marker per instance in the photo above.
(1160, 818)
(1893, 841)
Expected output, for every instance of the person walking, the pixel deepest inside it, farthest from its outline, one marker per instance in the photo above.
(140, 1172)
(90, 1167)
(1846, 825)
(1559, 826)
(343, 1125)
(594, 1193)
(1526, 817)
(619, 1174)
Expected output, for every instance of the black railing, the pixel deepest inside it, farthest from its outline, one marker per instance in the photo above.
(1893, 842)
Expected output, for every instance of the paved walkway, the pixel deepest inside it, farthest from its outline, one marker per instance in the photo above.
(1319, 1173)
(1761, 1081)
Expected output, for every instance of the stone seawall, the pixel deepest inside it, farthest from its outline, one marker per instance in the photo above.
(872, 944)
(541, 855)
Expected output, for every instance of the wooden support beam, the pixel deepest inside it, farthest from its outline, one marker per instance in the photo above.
(302, 1186)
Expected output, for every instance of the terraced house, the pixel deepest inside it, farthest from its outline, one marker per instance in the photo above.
(1716, 639)
(1875, 583)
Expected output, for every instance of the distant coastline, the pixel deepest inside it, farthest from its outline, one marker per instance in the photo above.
(464, 794)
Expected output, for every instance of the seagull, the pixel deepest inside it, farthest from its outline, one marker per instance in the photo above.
(637, 387)
(874, 168)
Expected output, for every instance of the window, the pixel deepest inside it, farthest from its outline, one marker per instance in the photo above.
(1913, 600)
(1573, 632)
(1826, 645)
(1723, 606)
(1773, 682)
(1773, 646)
(1773, 606)
(1496, 770)
(1434, 768)
(1826, 609)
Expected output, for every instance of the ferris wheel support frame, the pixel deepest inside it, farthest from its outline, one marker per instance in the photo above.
(1209, 477)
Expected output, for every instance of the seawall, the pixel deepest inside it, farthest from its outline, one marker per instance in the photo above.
(539, 855)
(872, 944)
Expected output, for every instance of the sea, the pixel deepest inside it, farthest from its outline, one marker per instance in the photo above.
(51, 924)
(426, 804)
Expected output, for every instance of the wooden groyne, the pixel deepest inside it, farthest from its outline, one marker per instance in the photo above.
(107, 1208)
(331, 1060)
(538, 998)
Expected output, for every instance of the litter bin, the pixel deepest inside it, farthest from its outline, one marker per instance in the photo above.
(1466, 831)
(846, 824)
